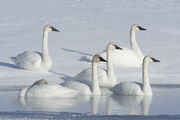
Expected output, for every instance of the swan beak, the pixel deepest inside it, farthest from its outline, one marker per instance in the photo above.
(102, 59)
(54, 29)
(141, 28)
(117, 47)
(155, 60)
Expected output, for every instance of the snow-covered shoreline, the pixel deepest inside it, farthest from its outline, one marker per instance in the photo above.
(86, 27)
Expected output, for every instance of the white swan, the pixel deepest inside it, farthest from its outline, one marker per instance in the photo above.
(41, 89)
(135, 88)
(32, 60)
(107, 77)
(128, 57)
(83, 88)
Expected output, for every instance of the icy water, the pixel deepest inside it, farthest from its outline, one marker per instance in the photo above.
(164, 101)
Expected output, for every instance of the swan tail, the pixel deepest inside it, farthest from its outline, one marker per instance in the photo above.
(13, 59)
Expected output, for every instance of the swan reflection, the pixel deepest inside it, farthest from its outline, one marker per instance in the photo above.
(133, 105)
(53, 104)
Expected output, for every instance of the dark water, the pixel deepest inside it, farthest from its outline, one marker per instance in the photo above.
(166, 100)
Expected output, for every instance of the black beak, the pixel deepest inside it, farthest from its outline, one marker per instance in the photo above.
(141, 28)
(155, 60)
(117, 47)
(54, 29)
(102, 59)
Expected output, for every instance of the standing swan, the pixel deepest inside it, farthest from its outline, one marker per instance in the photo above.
(32, 60)
(128, 57)
(41, 89)
(83, 88)
(135, 88)
(107, 77)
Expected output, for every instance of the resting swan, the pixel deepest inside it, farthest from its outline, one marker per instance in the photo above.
(135, 88)
(32, 60)
(128, 57)
(41, 89)
(83, 88)
(107, 77)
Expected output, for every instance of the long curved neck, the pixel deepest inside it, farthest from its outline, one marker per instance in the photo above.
(45, 52)
(110, 68)
(133, 43)
(145, 77)
(95, 83)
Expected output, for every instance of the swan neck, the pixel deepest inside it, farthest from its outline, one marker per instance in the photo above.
(95, 82)
(45, 44)
(133, 42)
(110, 68)
(145, 76)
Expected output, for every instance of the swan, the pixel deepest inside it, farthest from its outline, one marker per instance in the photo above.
(128, 57)
(135, 88)
(84, 88)
(33, 60)
(107, 77)
(41, 89)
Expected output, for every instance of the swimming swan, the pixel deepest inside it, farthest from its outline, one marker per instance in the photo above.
(128, 57)
(107, 77)
(32, 60)
(41, 89)
(83, 88)
(135, 88)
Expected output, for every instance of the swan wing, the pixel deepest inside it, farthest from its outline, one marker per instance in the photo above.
(125, 58)
(127, 88)
(50, 91)
(28, 59)
(82, 88)
(86, 77)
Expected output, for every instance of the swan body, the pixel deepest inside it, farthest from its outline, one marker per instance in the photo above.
(32, 60)
(85, 76)
(107, 77)
(128, 57)
(84, 88)
(135, 88)
(41, 89)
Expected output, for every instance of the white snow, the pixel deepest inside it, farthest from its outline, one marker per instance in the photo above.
(87, 26)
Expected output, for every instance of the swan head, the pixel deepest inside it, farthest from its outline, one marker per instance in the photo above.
(41, 82)
(49, 28)
(136, 27)
(112, 46)
(97, 58)
(149, 59)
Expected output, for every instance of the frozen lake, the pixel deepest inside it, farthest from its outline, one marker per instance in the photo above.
(165, 101)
